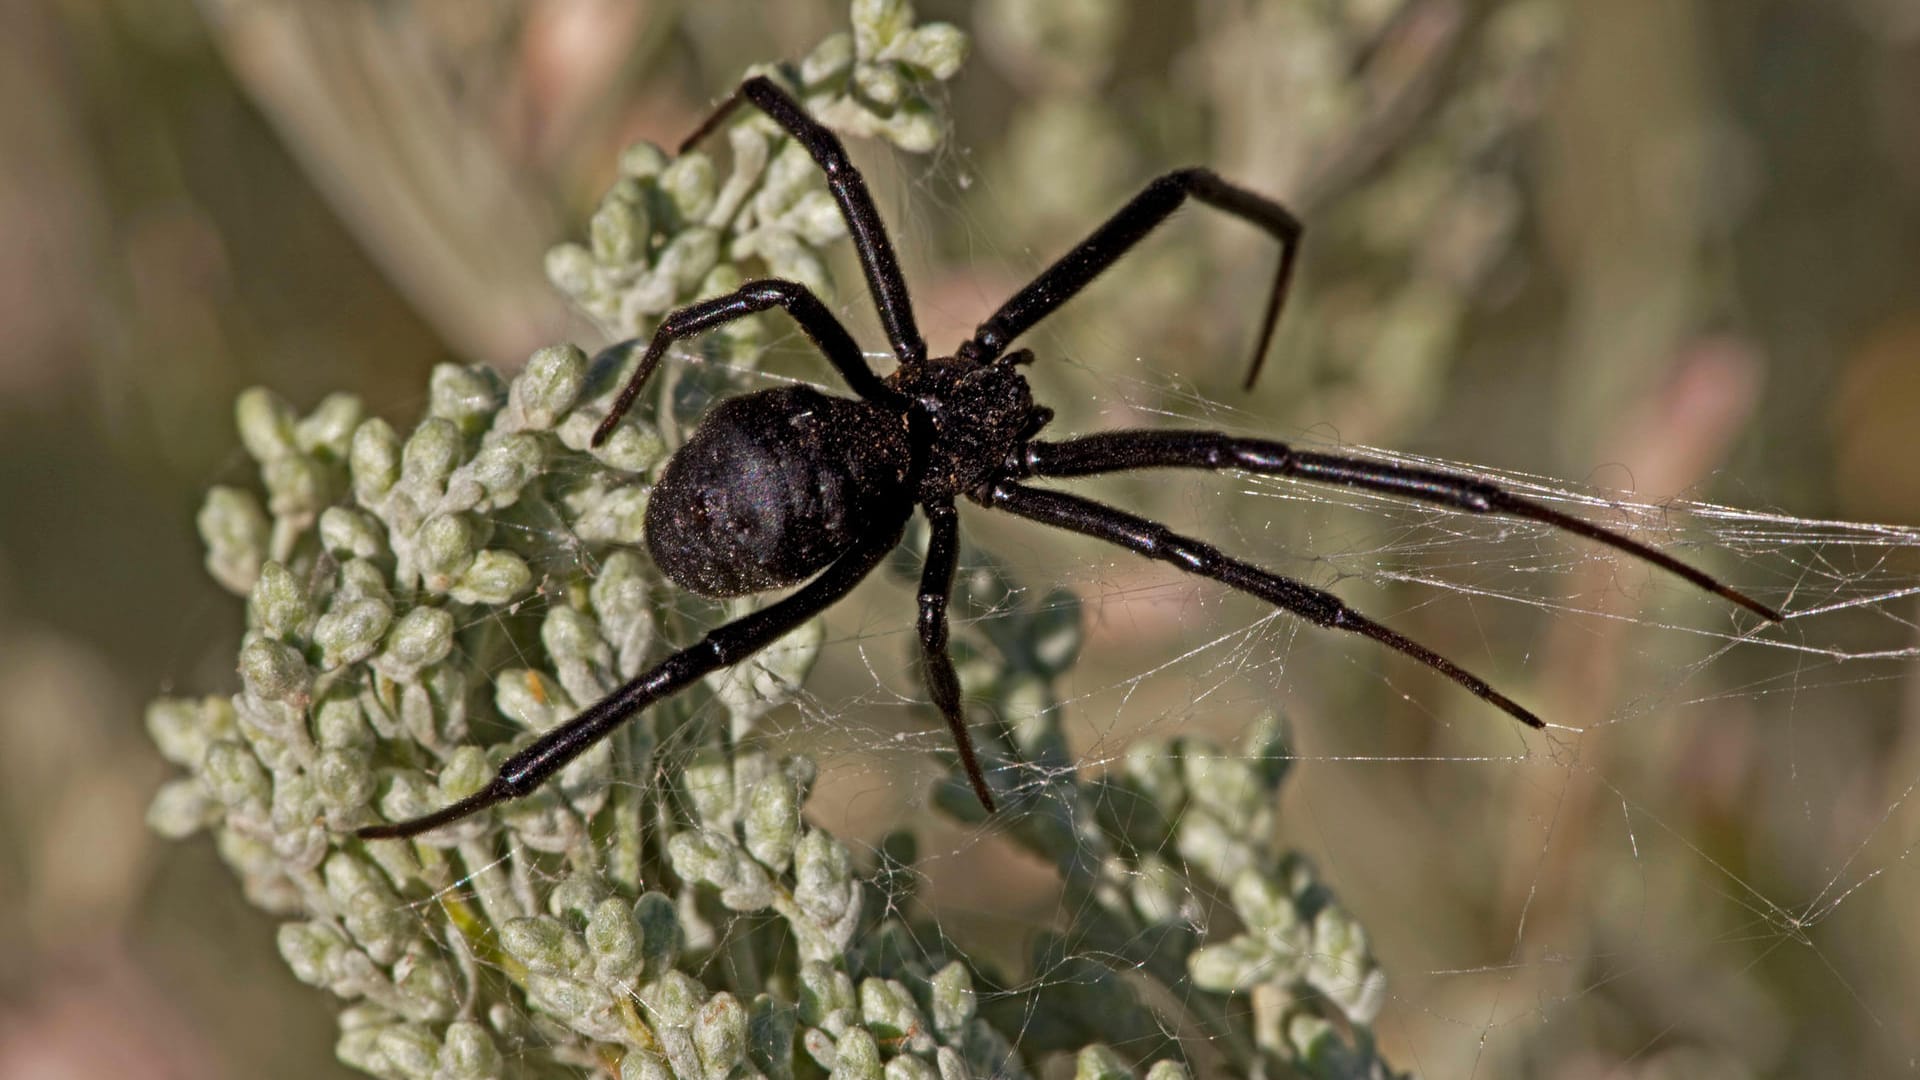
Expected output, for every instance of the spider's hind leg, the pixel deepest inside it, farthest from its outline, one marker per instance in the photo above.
(814, 318)
(723, 647)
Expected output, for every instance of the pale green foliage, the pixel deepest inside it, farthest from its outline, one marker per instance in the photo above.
(1142, 852)
(672, 230)
(421, 604)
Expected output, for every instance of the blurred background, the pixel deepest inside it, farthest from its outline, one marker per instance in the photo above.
(1653, 248)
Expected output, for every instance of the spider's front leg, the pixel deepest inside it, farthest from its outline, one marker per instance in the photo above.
(723, 647)
(1156, 541)
(1125, 451)
(806, 309)
(1129, 225)
(936, 588)
(877, 260)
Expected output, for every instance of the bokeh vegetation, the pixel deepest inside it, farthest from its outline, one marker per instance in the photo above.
(1664, 246)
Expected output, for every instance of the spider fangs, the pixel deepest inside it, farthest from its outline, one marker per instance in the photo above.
(781, 486)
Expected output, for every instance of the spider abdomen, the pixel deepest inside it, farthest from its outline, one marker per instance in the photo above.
(772, 487)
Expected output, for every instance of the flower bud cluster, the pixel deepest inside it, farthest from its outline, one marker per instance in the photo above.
(421, 604)
(417, 607)
(672, 230)
(1145, 852)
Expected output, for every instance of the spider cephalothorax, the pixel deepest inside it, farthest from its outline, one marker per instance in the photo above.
(975, 415)
(790, 485)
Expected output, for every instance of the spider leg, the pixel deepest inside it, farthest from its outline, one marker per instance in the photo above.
(1076, 269)
(1156, 541)
(722, 647)
(814, 318)
(936, 586)
(884, 280)
(1124, 451)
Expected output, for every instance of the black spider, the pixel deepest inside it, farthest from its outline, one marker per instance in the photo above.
(781, 485)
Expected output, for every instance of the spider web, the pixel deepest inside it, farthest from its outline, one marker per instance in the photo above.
(1700, 813)
(1700, 866)
(1699, 863)
(1606, 800)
